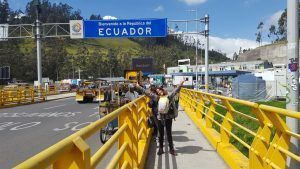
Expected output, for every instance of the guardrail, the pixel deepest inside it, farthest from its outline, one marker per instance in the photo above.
(133, 138)
(249, 136)
(10, 97)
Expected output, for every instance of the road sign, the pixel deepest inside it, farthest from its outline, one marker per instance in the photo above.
(76, 29)
(5, 72)
(3, 32)
(125, 28)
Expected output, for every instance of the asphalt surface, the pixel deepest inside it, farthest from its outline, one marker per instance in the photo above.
(27, 130)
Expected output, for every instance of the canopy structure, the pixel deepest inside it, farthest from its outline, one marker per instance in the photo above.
(249, 87)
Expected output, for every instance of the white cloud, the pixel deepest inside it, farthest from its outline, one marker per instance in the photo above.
(160, 8)
(273, 19)
(109, 18)
(193, 2)
(231, 45)
(226, 45)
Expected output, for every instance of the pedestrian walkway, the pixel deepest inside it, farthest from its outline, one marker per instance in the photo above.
(60, 96)
(194, 151)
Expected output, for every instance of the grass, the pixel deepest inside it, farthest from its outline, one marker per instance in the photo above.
(250, 124)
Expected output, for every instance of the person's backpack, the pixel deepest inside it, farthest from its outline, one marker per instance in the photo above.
(173, 110)
(163, 105)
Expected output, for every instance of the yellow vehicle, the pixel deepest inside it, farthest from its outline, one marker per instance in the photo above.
(133, 76)
(87, 92)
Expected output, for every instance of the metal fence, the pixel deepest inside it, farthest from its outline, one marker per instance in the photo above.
(245, 134)
(9, 97)
(133, 138)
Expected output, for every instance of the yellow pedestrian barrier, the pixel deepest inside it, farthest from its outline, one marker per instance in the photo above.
(11, 97)
(258, 130)
(73, 151)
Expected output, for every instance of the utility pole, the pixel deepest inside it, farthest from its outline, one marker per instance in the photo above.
(196, 41)
(38, 43)
(206, 21)
(293, 75)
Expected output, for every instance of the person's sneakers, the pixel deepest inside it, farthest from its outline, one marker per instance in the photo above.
(172, 151)
(160, 151)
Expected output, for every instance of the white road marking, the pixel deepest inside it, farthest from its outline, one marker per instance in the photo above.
(54, 107)
(96, 108)
(59, 100)
(94, 114)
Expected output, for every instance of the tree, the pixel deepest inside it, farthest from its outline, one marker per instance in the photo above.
(4, 11)
(282, 26)
(259, 33)
(95, 17)
(272, 33)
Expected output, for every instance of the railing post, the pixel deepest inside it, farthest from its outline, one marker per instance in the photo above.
(281, 139)
(1, 98)
(78, 158)
(130, 136)
(32, 94)
(210, 114)
(260, 144)
(200, 106)
(225, 136)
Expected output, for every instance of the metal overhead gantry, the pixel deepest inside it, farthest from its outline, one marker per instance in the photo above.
(37, 30)
(205, 33)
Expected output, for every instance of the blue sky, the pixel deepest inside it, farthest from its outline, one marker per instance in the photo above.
(230, 19)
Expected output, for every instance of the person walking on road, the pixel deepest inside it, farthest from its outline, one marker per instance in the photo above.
(166, 113)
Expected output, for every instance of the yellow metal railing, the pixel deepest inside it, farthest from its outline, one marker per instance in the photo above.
(10, 97)
(133, 138)
(245, 134)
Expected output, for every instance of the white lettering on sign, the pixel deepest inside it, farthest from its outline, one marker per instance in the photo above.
(108, 31)
(25, 126)
(125, 31)
(148, 31)
(140, 31)
(73, 126)
(132, 31)
(101, 32)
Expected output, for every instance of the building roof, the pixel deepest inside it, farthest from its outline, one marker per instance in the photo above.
(213, 73)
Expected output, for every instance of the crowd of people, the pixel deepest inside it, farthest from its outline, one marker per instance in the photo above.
(164, 107)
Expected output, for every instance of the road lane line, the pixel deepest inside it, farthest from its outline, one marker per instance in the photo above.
(94, 114)
(96, 108)
(54, 107)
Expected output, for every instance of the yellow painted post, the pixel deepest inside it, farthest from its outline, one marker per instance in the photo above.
(225, 136)
(130, 136)
(260, 144)
(280, 139)
(32, 93)
(78, 158)
(18, 92)
(200, 107)
(210, 112)
(1, 98)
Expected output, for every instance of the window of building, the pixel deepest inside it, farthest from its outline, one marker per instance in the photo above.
(232, 68)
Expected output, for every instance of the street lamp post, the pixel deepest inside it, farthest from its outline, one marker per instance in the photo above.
(38, 43)
(293, 75)
(206, 21)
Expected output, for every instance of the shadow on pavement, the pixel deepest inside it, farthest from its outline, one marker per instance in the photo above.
(182, 139)
(178, 132)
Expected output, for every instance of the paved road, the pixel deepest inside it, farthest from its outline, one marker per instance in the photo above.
(27, 130)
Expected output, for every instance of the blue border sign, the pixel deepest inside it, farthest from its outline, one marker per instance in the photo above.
(125, 28)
